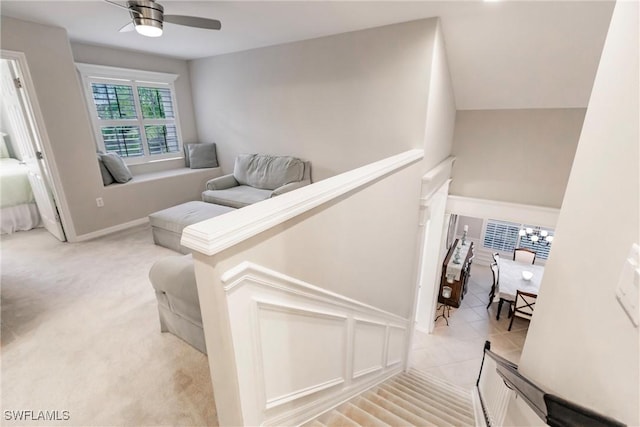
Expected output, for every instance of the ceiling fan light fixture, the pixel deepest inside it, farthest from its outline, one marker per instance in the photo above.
(147, 17)
(149, 30)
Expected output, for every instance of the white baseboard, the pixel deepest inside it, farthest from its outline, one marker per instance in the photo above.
(109, 230)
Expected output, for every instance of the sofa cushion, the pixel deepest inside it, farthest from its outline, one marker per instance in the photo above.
(236, 197)
(267, 172)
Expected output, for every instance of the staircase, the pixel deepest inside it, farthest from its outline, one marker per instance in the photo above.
(408, 399)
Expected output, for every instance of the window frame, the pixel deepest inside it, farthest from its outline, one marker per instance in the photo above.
(101, 74)
(518, 237)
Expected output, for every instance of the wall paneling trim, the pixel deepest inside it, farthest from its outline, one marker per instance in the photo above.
(300, 349)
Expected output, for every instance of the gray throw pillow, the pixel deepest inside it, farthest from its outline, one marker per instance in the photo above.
(107, 178)
(202, 156)
(117, 167)
(185, 147)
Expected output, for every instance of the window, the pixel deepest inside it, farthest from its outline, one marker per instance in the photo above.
(134, 113)
(503, 236)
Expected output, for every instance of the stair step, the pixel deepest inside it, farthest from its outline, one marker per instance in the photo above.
(442, 385)
(410, 417)
(409, 399)
(434, 388)
(380, 412)
(336, 419)
(444, 413)
(361, 417)
(395, 397)
(437, 380)
(432, 397)
(464, 403)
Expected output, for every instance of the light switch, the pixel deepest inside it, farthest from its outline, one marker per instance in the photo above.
(627, 292)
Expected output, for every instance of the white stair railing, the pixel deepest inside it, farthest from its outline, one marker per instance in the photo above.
(493, 393)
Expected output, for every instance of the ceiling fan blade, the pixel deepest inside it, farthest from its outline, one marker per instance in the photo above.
(116, 4)
(129, 27)
(193, 21)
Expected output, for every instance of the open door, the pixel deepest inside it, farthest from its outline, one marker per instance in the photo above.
(26, 142)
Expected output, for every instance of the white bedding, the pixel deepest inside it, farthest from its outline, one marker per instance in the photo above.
(18, 211)
(14, 183)
(19, 218)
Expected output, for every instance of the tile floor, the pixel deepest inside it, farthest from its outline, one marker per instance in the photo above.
(454, 352)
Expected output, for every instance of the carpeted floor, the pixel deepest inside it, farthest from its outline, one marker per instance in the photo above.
(80, 333)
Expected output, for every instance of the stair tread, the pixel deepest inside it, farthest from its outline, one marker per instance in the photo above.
(412, 398)
(438, 411)
(438, 382)
(433, 387)
(435, 395)
(397, 410)
(361, 417)
(430, 416)
(336, 419)
(379, 412)
(432, 398)
(441, 384)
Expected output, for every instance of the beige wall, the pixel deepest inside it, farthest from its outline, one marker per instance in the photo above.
(340, 101)
(441, 106)
(475, 226)
(348, 245)
(581, 345)
(51, 63)
(348, 99)
(65, 116)
(518, 156)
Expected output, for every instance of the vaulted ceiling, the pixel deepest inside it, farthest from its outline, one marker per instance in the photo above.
(502, 54)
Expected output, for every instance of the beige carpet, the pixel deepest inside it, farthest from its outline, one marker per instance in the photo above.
(80, 333)
(409, 399)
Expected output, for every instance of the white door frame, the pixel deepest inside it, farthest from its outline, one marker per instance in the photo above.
(433, 182)
(43, 139)
(433, 241)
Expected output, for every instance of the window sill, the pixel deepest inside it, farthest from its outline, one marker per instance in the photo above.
(168, 174)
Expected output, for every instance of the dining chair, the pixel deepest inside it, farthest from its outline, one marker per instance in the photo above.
(495, 287)
(524, 255)
(523, 306)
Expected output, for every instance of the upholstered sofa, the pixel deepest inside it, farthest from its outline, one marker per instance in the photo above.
(174, 281)
(257, 177)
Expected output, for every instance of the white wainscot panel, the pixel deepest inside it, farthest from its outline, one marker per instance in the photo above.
(300, 350)
(396, 346)
(368, 347)
(303, 352)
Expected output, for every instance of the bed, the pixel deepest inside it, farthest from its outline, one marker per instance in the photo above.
(18, 210)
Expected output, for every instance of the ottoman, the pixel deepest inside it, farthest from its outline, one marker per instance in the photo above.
(167, 224)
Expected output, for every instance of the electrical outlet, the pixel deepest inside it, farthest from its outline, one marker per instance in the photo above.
(99, 202)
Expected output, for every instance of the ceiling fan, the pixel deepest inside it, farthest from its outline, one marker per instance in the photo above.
(147, 18)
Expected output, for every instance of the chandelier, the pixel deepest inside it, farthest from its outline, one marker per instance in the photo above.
(536, 235)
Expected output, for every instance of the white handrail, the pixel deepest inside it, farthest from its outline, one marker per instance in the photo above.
(216, 234)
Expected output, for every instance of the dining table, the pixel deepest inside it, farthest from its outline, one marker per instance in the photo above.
(511, 280)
